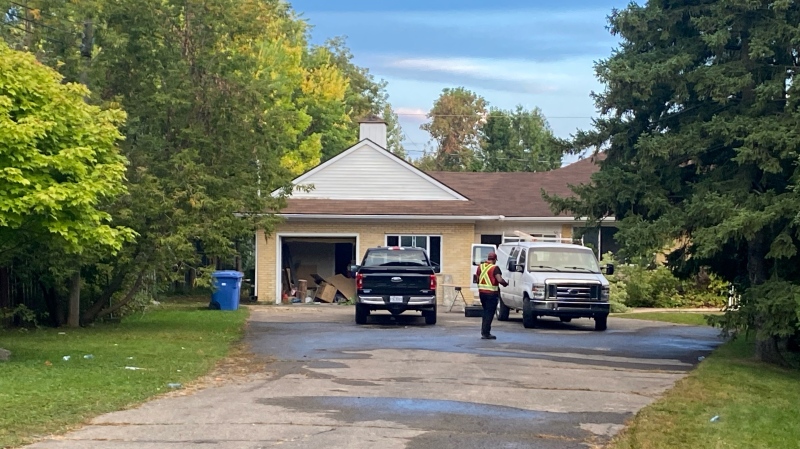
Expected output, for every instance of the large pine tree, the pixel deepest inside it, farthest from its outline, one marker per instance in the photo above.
(701, 127)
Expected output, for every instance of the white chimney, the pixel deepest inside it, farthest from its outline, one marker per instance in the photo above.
(374, 129)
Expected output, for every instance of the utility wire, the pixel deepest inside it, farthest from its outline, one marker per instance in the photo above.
(31, 32)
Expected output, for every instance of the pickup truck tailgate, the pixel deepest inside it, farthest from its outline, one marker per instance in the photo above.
(380, 282)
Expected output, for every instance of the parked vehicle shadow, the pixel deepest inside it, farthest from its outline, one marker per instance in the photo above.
(549, 323)
(390, 321)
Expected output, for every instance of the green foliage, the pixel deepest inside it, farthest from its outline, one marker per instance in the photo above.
(226, 102)
(455, 119)
(764, 309)
(59, 161)
(638, 285)
(518, 140)
(21, 312)
(363, 98)
(699, 127)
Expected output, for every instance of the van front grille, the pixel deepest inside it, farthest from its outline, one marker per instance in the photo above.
(573, 292)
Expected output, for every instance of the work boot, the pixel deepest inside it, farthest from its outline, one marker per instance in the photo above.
(488, 337)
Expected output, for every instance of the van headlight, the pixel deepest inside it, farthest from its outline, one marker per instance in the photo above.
(538, 291)
(605, 293)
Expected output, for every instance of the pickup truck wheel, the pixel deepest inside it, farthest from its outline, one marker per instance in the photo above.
(430, 316)
(528, 318)
(362, 312)
(502, 311)
(601, 322)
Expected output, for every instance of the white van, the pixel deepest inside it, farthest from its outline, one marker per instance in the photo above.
(550, 279)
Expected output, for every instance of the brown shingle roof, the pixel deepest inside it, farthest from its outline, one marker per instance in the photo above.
(515, 194)
(518, 194)
(372, 207)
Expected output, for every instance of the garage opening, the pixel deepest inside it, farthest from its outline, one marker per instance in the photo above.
(310, 258)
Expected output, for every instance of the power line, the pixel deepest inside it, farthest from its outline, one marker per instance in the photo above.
(31, 32)
(410, 114)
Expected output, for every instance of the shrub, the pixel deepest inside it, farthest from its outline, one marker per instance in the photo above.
(636, 285)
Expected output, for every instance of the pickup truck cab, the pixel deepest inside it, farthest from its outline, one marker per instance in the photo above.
(553, 279)
(395, 279)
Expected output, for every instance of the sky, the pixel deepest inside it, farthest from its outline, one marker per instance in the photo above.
(510, 52)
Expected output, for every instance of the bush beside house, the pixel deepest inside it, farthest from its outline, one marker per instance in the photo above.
(654, 285)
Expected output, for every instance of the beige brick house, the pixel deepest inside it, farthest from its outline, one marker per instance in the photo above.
(366, 197)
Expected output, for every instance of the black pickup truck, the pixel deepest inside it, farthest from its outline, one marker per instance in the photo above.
(395, 279)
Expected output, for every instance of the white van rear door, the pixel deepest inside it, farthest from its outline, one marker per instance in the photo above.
(479, 253)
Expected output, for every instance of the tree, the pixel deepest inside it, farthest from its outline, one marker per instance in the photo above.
(455, 118)
(518, 140)
(364, 97)
(699, 124)
(59, 160)
(60, 165)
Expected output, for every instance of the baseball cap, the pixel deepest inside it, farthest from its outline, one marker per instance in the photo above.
(491, 256)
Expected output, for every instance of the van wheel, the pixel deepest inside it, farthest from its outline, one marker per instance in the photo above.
(601, 322)
(362, 312)
(502, 311)
(528, 318)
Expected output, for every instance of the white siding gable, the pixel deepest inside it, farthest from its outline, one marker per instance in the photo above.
(368, 172)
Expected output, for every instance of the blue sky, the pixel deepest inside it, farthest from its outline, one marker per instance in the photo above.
(528, 52)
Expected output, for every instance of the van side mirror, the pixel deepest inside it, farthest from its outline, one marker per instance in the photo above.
(512, 265)
(609, 269)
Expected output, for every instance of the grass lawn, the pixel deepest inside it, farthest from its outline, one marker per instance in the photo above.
(41, 393)
(758, 407)
(695, 318)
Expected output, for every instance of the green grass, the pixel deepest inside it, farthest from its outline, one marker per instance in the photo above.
(694, 318)
(41, 393)
(758, 407)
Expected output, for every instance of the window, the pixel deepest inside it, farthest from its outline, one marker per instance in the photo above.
(522, 258)
(431, 243)
(398, 257)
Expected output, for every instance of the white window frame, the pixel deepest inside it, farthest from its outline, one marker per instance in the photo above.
(427, 243)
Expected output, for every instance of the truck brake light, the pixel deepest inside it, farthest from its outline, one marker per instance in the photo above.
(433, 282)
(359, 281)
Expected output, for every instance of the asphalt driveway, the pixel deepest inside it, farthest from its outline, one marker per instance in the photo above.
(402, 384)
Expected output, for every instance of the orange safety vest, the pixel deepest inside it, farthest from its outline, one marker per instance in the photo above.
(487, 283)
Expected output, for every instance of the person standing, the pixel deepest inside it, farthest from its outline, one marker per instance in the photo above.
(490, 278)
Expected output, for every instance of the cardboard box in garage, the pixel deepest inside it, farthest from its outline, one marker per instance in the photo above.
(326, 292)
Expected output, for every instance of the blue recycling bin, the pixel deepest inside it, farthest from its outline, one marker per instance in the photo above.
(227, 288)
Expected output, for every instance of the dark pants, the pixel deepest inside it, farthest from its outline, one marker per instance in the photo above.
(489, 303)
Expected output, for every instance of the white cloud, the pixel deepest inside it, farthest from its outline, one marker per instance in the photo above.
(517, 75)
(411, 115)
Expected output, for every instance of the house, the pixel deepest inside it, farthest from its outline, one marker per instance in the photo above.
(366, 197)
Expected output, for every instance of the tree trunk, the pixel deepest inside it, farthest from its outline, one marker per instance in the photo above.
(105, 297)
(74, 316)
(55, 308)
(767, 350)
(5, 288)
(128, 298)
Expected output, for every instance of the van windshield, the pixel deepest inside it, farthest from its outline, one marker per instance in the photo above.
(395, 257)
(562, 259)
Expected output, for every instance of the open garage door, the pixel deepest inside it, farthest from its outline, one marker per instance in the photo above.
(308, 257)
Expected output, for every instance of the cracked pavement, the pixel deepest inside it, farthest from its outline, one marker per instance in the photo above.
(402, 384)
